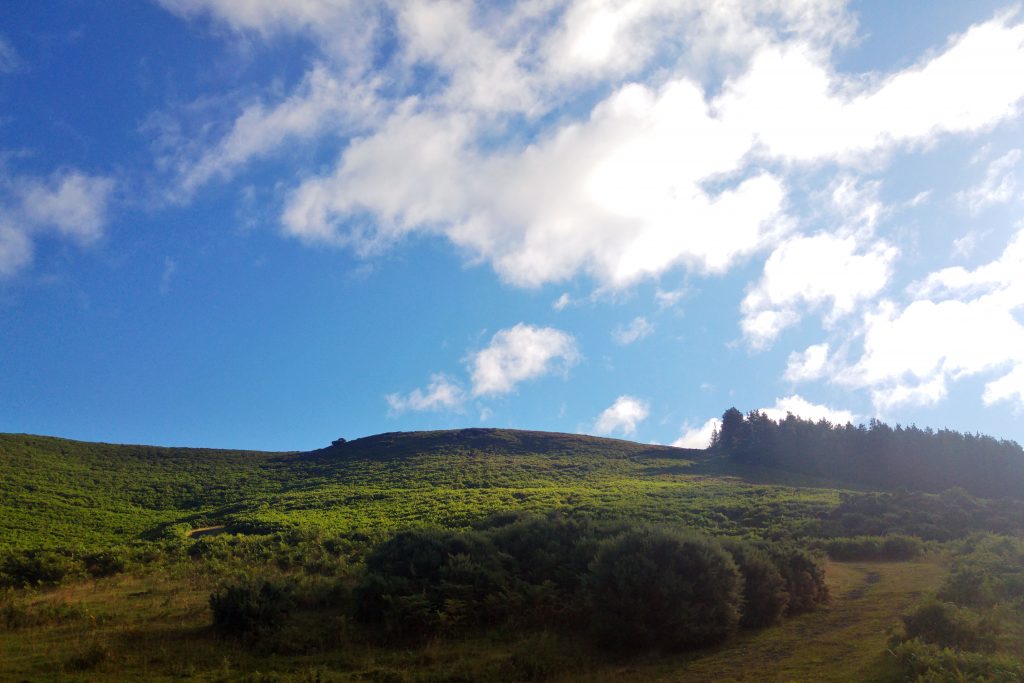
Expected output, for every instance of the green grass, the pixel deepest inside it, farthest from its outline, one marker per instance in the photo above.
(67, 494)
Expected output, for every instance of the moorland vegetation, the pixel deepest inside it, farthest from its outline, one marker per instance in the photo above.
(507, 555)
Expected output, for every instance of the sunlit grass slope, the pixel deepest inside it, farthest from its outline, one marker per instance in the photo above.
(67, 494)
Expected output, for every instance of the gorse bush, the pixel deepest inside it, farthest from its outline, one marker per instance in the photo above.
(946, 625)
(628, 586)
(35, 568)
(764, 590)
(663, 588)
(250, 606)
(896, 547)
(924, 662)
(424, 581)
(804, 578)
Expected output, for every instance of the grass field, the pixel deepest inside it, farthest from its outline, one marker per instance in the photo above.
(156, 627)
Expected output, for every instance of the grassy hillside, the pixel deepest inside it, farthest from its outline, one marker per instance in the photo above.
(111, 554)
(60, 493)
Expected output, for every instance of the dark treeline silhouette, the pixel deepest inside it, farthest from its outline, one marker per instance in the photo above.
(874, 454)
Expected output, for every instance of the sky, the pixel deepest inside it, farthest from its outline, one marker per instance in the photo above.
(266, 225)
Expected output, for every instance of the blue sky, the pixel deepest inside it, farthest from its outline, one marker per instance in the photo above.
(256, 224)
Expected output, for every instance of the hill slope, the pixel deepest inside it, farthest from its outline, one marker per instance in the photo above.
(62, 493)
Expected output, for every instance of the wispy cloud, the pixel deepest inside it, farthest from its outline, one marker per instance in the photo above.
(997, 187)
(9, 59)
(637, 329)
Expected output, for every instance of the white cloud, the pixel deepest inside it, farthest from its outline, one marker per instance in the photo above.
(441, 394)
(520, 353)
(698, 437)
(812, 272)
(170, 268)
(562, 302)
(961, 324)
(799, 110)
(997, 187)
(667, 170)
(623, 416)
(70, 203)
(268, 17)
(15, 248)
(637, 329)
(669, 298)
(1009, 387)
(612, 196)
(801, 407)
(810, 364)
(321, 103)
(73, 203)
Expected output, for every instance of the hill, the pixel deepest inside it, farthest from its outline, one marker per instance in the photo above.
(114, 556)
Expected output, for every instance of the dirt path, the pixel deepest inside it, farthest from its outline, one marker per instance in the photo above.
(207, 531)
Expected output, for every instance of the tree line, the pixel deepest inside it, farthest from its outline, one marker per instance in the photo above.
(874, 454)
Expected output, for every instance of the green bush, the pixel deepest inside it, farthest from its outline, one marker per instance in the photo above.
(424, 581)
(653, 587)
(251, 607)
(105, 563)
(764, 590)
(948, 626)
(35, 568)
(804, 578)
(920, 661)
(901, 547)
(894, 547)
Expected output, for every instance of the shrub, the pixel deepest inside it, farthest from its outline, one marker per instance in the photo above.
(764, 590)
(105, 563)
(894, 547)
(554, 549)
(901, 547)
(804, 578)
(250, 607)
(35, 568)
(423, 581)
(652, 587)
(946, 625)
(921, 661)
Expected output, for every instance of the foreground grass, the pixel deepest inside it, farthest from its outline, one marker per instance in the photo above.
(156, 628)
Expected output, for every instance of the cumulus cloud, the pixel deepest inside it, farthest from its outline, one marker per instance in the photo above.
(808, 272)
(801, 407)
(70, 204)
(623, 416)
(698, 437)
(441, 394)
(960, 324)
(637, 329)
(521, 353)
(809, 364)
(798, 110)
(658, 173)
